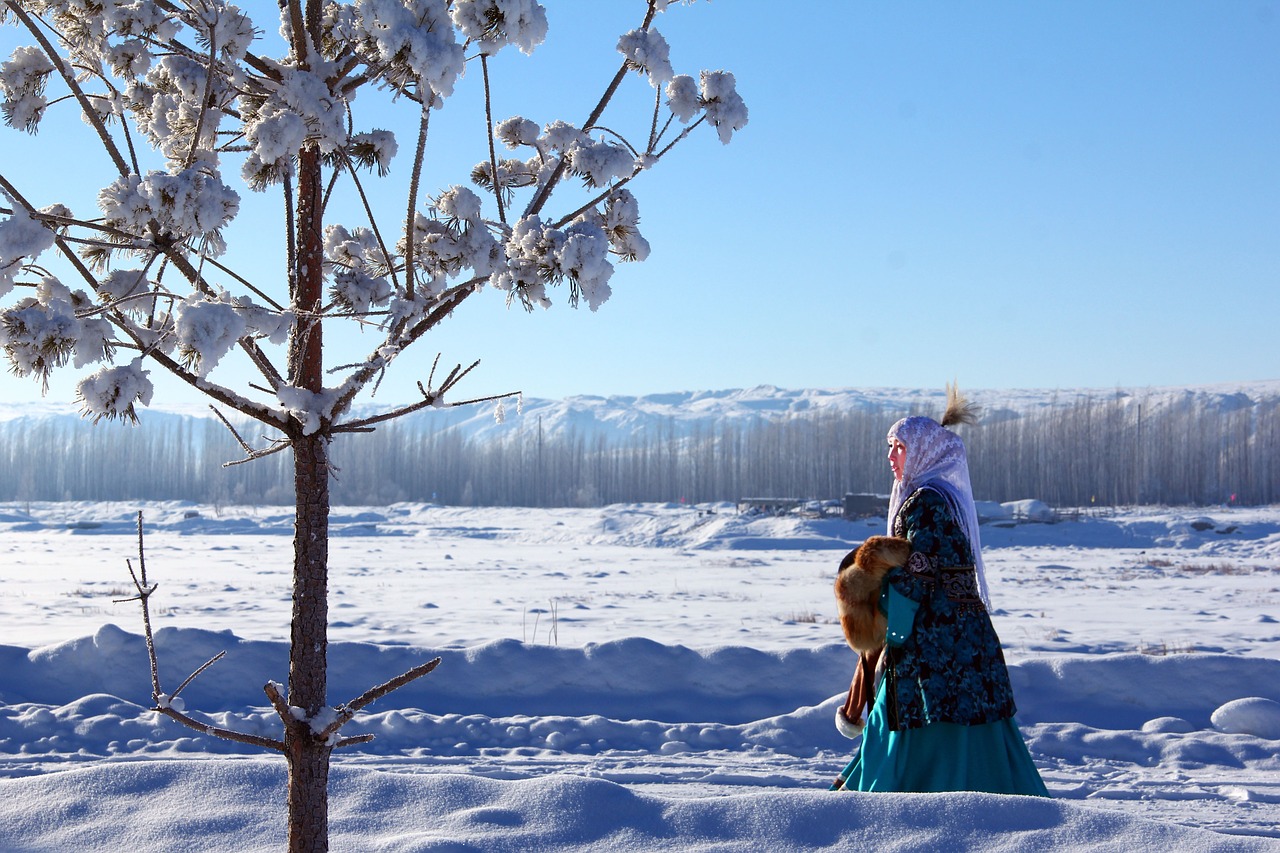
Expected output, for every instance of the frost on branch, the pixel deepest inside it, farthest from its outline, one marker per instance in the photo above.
(111, 392)
(207, 330)
(178, 77)
(412, 42)
(192, 203)
(598, 163)
(538, 255)
(42, 333)
(179, 106)
(725, 107)
(21, 237)
(647, 51)
(497, 23)
(453, 239)
(299, 110)
(718, 95)
(22, 83)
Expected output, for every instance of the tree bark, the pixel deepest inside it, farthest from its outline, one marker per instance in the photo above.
(308, 653)
(308, 756)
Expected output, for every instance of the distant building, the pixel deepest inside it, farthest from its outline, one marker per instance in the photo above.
(863, 504)
(769, 506)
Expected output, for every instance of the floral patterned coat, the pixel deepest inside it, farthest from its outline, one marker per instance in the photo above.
(944, 661)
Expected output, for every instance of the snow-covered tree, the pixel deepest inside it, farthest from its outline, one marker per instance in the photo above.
(196, 125)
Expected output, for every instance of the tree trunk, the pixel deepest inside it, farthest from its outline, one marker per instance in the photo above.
(308, 652)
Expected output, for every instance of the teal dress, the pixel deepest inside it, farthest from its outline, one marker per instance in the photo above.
(943, 715)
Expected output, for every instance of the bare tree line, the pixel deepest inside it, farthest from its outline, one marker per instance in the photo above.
(1089, 451)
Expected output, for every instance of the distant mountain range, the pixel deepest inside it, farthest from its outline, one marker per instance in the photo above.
(621, 416)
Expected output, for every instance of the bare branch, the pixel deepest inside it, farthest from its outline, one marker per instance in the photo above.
(430, 398)
(347, 711)
(163, 707)
(259, 454)
(415, 178)
(252, 454)
(226, 423)
(210, 662)
(144, 593)
(217, 731)
(683, 134)
(278, 702)
(445, 304)
(493, 156)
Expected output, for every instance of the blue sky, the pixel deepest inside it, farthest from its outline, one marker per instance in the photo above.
(1007, 194)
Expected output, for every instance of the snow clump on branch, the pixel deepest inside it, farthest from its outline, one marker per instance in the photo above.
(42, 333)
(375, 149)
(497, 23)
(718, 95)
(647, 51)
(21, 237)
(413, 41)
(299, 111)
(307, 407)
(620, 221)
(168, 105)
(597, 163)
(538, 254)
(454, 239)
(192, 203)
(358, 266)
(516, 131)
(725, 107)
(207, 330)
(112, 392)
(22, 82)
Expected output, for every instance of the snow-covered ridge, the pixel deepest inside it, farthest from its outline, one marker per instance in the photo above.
(622, 416)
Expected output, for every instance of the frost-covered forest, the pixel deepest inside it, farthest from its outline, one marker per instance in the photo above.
(1096, 448)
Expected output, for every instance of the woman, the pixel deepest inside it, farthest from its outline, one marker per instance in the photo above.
(942, 714)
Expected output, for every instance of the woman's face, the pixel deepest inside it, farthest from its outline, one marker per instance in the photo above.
(897, 457)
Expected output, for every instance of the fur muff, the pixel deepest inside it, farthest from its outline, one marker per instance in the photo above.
(858, 589)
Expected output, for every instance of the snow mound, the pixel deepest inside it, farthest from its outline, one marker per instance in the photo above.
(1168, 726)
(1029, 510)
(1252, 716)
(114, 808)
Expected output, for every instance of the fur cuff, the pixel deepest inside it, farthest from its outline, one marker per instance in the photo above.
(848, 727)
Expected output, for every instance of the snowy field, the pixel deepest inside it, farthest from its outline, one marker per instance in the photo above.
(624, 679)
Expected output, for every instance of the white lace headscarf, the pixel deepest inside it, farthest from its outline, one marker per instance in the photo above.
(935, 457)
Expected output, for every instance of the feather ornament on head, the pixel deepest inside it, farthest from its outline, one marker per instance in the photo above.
(936, 458)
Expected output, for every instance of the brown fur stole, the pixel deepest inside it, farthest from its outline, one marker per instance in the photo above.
(858, 589)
